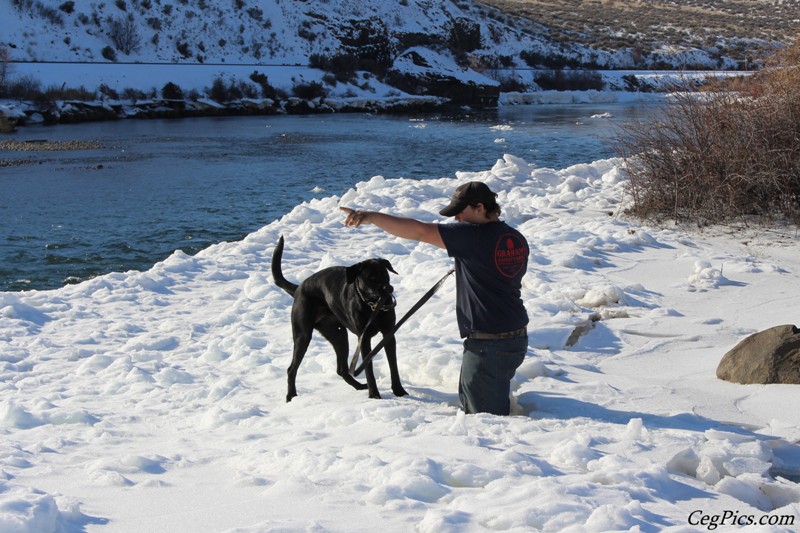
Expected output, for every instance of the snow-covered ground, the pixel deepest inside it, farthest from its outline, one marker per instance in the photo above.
(154, 401)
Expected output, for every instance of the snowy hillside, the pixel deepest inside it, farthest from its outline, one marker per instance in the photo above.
(461, 40)
(266, 31)
(242, 31)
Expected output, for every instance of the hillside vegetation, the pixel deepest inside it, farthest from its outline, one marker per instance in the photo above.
(742, 29)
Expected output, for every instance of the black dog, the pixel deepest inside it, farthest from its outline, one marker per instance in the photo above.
(337, 299)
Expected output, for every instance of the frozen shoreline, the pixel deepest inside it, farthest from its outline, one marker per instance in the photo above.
(155, 400)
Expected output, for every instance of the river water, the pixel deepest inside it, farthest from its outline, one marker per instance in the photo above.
(160, 185)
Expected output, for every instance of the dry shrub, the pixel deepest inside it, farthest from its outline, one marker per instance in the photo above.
(782, 75)
(721, 155)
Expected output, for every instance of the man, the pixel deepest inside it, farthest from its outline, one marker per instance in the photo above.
(491, 258)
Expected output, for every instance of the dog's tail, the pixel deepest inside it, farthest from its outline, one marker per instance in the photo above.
(277, 275)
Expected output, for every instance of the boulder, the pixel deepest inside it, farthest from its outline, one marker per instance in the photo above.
(769, 356)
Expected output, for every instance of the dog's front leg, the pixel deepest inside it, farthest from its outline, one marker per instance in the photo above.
(371, 383)
(390, 347)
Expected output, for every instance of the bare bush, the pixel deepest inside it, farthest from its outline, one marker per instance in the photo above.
(23, 5)
(108, 92)
(133, 94)
(67, 7)
(220, 91)
(714, 157)
(50, 14)
(172, 91)
(310, 90)
(184, 50)
(24, 88)
(62, 92)
(267, 90)
(109, 53)
(5, 68)
(124, 34)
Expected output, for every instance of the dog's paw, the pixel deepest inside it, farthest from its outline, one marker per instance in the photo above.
(375, 395)
(399, 391)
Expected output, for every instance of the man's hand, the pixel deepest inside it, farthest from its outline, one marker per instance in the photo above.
(354, 218)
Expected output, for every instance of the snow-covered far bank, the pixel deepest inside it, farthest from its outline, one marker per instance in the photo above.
(154, 401)
(147, 90)
(153, 76)
(199, 77)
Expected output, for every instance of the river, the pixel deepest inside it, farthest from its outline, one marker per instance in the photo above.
(149, 187)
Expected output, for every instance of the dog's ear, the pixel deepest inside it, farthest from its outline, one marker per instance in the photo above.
(388, 265)
(352, 272)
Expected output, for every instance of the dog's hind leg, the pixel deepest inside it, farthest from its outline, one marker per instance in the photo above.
(301, 342)
(336, 334)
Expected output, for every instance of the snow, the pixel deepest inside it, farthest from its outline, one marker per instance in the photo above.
(154, 401)
(192, 42)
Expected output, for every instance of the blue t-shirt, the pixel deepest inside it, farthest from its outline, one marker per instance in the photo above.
(491, 260)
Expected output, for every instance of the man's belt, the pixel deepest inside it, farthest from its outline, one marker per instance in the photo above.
(521, 332)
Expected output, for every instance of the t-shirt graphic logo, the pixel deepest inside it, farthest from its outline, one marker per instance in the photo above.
(509, 255)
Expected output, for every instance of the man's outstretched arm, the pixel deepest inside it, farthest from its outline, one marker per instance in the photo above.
(403, 227)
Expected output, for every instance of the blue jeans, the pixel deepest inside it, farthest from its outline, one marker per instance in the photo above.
(486, 371)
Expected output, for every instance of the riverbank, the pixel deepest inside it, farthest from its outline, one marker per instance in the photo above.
(371, 96)
(15, 114)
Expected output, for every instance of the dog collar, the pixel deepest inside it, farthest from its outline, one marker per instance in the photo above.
(376, 304)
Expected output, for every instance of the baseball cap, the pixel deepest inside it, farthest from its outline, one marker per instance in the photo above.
(470, 193)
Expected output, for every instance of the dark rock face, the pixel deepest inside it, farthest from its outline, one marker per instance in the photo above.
(770, 356)
(458, 92)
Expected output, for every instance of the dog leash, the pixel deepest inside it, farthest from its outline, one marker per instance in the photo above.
(376, 308)
(414, 309)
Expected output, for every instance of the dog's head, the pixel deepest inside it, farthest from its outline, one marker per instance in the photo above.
(371, 280)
